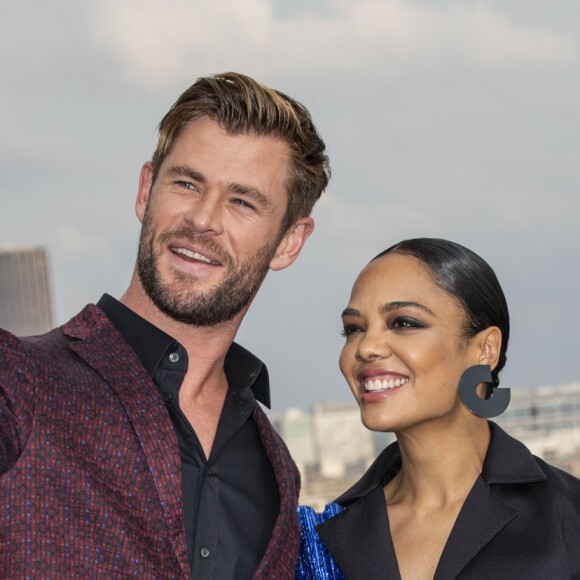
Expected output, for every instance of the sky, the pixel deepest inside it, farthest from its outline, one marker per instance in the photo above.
(452, 119)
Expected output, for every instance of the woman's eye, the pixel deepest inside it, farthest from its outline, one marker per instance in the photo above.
(350, 329)
(402, 323)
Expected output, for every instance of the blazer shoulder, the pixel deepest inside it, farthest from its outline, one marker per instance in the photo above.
(562, 486)
(22, 359)
(26, 363)
(41, 349)
(17, 388)
(562, 501)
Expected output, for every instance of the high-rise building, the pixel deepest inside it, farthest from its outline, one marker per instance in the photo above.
(25, 303)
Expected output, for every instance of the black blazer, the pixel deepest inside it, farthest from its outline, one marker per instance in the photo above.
(521, 520)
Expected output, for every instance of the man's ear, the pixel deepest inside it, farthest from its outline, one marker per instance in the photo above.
(489, 344)
(145, 182)
(292, 243)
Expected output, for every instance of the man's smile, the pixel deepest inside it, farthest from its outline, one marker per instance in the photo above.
(193, 255)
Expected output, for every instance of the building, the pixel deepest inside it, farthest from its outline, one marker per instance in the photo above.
(330, 446)
(547, 421)
(295, 427)
(542, 410)
(25, 302)
(343, 444)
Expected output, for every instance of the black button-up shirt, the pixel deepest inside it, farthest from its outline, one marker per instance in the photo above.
(231, 499)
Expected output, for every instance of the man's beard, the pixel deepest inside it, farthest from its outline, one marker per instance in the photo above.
(178, 299)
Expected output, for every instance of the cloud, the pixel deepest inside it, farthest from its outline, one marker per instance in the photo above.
(350, 231)
(155, 42)
(73, 244)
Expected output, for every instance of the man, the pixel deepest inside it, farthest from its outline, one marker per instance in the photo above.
(131, 442)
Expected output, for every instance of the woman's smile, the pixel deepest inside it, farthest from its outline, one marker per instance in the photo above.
(404, 346)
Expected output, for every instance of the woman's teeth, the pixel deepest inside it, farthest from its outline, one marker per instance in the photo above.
(381, 385)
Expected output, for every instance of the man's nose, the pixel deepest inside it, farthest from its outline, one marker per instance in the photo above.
(205, 214)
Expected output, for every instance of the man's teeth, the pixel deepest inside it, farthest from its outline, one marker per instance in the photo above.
(381, 385)
(193, 255)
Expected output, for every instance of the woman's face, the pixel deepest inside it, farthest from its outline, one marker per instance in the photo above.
(404, 352)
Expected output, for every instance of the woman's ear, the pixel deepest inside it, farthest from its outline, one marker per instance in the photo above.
(489, 341)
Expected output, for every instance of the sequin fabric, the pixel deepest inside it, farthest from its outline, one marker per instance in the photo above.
(314, 560)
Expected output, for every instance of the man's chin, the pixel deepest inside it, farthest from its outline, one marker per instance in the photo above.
(199, 311)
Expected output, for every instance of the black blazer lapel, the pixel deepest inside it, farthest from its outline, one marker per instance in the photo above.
(481, 518)
(484, 514)
(359, 539)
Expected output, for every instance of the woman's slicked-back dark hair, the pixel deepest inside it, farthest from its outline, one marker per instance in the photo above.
(467, 277)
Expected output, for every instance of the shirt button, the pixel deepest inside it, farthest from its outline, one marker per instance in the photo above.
(204, 552)
(173, 357)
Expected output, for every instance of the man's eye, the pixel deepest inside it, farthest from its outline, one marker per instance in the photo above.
(243, 203)
(186, 185)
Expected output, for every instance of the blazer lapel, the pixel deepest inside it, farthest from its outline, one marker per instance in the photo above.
(484, 515)
(102, 347)
(481, 518)
(281, 555)
(359, 540)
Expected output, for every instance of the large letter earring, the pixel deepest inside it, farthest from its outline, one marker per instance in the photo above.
(492, 407)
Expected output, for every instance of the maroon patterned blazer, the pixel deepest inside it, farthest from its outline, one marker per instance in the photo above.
(89, 465)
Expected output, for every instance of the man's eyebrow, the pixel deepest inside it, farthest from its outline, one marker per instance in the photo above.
(185, 171)
(397, 305)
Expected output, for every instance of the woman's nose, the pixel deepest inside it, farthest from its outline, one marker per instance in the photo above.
(373, 345)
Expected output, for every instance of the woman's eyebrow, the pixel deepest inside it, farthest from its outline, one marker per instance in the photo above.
(390, 306)
(350, 312)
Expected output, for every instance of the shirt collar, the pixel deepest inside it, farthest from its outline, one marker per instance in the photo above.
(241, 367)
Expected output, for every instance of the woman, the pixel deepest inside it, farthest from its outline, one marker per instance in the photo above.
(426, 333)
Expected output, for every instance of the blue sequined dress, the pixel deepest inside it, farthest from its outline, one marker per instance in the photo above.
(314, 561)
